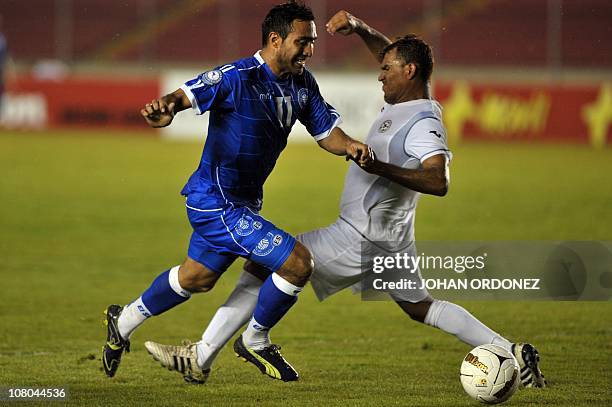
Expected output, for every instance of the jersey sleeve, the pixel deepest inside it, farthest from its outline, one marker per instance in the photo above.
(211, 89)
(320, 117)
(427, 138)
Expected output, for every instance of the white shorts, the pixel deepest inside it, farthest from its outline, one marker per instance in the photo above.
(336, 251)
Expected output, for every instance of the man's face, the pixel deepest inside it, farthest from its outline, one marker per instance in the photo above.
(297, 47)
(393, 76)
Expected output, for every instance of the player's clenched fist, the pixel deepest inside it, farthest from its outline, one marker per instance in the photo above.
(342, 22)
(358, 152)
(370, 163)
(158, 113)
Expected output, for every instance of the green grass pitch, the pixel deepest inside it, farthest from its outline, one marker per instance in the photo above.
(86, 220)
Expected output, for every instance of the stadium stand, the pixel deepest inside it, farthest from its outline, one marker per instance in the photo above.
(464, 32)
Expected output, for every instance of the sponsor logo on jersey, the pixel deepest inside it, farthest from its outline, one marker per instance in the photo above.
(385, 126)
(303, 97)
(278, 239)
(212, 77)
(245, 226)
(264, 247)
(257, 225)
(435, 133)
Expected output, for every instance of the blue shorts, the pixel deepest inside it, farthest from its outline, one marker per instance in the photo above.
(222, 235)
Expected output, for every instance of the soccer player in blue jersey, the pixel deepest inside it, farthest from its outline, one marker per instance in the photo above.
(253, 104)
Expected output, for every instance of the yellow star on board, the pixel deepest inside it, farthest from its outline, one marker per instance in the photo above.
(458, 109)
(598, 116)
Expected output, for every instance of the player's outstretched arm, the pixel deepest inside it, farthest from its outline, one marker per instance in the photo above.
(339, 143)
(345, 23)
(160, 112)
(432, 178)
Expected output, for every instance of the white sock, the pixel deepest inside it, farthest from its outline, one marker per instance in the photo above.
(228, 319)
(136, 312)
(256, 336)
(457, 321)
(132, 316)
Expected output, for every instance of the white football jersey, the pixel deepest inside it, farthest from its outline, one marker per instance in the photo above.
(404, 134)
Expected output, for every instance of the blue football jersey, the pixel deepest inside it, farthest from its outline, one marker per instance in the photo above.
(251, 114)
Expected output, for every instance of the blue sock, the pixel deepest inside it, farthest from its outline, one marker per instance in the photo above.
(164, 293)
(276, 297)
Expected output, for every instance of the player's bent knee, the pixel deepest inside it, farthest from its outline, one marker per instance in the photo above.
(304, 264)
(203, 287)
(298, 267)
(196, 278)
(198, 284)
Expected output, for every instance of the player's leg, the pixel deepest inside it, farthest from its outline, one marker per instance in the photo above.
(198, 275)
(330, 257)
(233, 314)
(453, 319)
(227, 321)
(169, 289)
(240, 231)
(184, 358)
(457, 321)
(332, 273)
(336, 253)
(276, 296)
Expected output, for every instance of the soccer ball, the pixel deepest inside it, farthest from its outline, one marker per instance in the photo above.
(490, 374)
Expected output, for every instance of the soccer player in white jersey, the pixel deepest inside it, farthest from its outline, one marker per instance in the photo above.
(378, 204)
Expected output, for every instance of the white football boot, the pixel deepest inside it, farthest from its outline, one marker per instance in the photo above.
(183, 359)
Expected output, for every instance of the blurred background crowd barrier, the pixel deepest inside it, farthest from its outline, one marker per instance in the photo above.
(529, 70)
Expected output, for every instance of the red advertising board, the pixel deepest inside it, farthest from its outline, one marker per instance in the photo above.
(576, 113)
(472, 111)
(78, 103)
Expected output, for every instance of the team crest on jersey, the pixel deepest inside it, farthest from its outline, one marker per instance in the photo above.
(212, 77)
(385, 126)
(245, 226)
(303, 97)
(265, 246)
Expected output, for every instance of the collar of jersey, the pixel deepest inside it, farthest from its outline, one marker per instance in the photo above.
(415, 102)
(271, 74)
(258, 57)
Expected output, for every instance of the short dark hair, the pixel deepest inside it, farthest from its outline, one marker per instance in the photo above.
(413, 49)
(280, 17)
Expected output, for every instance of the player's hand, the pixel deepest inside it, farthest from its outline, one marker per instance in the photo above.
(158, 113)
(342, 22)
(370, 163)
(358, 152)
